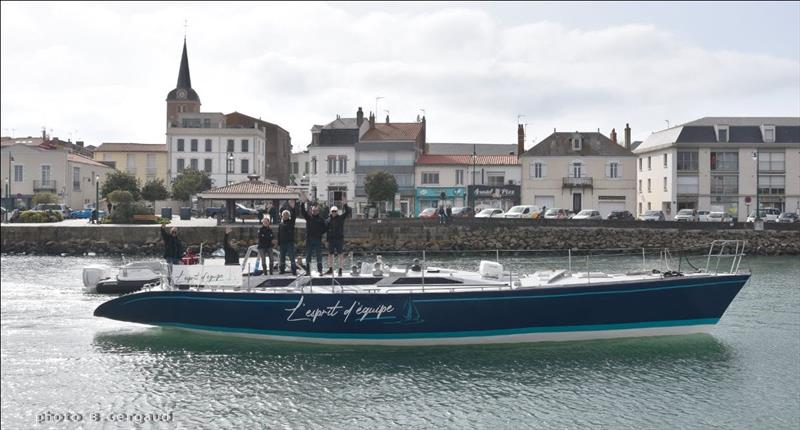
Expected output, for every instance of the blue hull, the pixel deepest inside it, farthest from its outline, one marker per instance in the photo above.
(666, 306)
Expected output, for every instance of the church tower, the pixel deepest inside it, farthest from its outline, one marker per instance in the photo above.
(183, 98)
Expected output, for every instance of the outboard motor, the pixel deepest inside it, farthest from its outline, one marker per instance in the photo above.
(354, 270)
(95, 273)
(490, 269)
(416, 267)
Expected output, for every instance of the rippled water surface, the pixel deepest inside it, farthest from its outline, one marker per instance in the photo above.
(57, 358)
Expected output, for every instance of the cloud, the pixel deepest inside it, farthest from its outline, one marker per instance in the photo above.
(105, 70)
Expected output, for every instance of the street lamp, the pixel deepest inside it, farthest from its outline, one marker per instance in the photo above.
(97, 197)
(8, 195)
(228, 166)
(474, 164)
(758, 171)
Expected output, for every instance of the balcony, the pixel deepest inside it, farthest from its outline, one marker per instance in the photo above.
(569, 182)
(44, 186)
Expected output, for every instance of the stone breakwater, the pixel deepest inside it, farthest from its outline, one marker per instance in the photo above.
(414, 235)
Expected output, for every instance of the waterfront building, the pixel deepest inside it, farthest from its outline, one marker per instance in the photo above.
(331, 156)
(479, 181)
(146, 161)
(392, 147)
(31, 166)
(227, 146)
(710, 164)
(580, 170)
(299, 169)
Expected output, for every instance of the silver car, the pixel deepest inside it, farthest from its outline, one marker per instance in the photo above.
(686, 215)
(652, 216)
(588, 214)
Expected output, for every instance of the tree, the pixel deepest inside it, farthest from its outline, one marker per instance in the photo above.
(119, 180)
(188, 183)
(380, 186)
(154, 190)
(44, 197)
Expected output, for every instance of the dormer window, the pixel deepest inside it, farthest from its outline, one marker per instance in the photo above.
(722, 133)
(769, 133)
(576, 143)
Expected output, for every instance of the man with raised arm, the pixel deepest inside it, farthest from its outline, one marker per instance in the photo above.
(286, 237)
(315, 228)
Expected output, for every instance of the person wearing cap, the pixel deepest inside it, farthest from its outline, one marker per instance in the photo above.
(336, 238)
(286, 238)
(173, 248)
(315, 228)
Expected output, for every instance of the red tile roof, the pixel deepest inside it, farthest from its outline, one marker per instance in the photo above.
(251, 189)
(83, 160)
(466, 159)
(394, 131)
(131, 147)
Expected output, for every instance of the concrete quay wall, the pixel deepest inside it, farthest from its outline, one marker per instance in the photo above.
(411, 235)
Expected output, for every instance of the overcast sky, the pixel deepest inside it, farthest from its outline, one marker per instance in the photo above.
(100, 72)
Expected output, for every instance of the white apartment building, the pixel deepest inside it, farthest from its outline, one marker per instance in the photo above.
(30, 167)
(332, 159)
(202, 141)
(711, 164)
(578, 171)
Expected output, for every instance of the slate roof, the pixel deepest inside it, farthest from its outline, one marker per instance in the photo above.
(740, 130)
(131, 147)
(594, 144)
(394, 131)
(481, 160)
(184, 79)
(341, 123)
(467, 148)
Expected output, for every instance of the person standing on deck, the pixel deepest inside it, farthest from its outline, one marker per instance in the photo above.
(336, 238)
(231, 251)
(315, 228)
(286, 238)
(265, 243)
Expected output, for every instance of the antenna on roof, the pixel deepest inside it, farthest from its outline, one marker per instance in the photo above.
(667, 122)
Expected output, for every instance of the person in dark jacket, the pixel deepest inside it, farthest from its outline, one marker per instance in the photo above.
(348, 213)
(315, 228)
(286, 238)
(173, 248)
(231, 253)
(265, 242)
(449, 214)
(336, 237)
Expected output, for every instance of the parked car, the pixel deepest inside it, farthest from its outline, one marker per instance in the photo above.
(766, 214)
(587, 214)
(556, 213)
(212, 212)
(463, 212)
(719, 217)
(490, 213)
(621, 215)
(653, 216)
(243, 211)
(686, 215)
(395, 214)
(85, 214)
(788, 217)
(522, 211)
(429, 213)
(702, 216)
(55, 207)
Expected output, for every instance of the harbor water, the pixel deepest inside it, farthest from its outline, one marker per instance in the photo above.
(64, 368)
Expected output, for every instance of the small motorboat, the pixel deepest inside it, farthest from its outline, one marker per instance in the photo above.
(376, 304)
(131, 277)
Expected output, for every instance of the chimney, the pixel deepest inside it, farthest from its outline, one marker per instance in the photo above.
(627, 137)
(387, 119)
(614, 135)
(79, 143)
(520, 139)
(359, 117)
(425, 148)
(371, 120)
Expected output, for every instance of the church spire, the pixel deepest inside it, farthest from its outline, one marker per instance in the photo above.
(184, 80)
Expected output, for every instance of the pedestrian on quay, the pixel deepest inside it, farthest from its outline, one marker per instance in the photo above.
(265, 243)
(286, 237)
(315, 228)
(449, 214)
(441, 212)
(231, 250)
(336, 238)
(93, 217)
